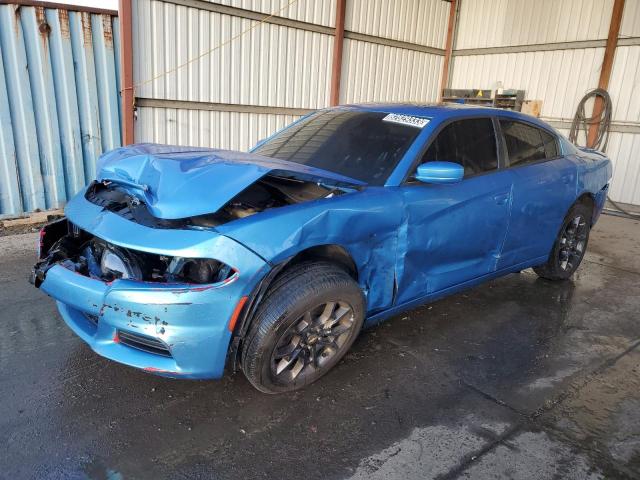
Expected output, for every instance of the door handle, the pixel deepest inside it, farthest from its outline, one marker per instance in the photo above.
(501, 198)
(566, 179)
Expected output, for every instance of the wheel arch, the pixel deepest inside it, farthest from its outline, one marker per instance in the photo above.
(587, 199)
(332, 253)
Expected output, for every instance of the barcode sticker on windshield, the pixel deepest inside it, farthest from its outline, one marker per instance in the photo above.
(406, 120)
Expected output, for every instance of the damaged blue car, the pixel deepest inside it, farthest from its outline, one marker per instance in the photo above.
(179, 261)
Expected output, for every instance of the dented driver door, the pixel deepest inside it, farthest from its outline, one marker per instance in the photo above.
(455, 232)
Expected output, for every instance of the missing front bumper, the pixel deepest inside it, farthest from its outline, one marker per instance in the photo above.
(191, 319)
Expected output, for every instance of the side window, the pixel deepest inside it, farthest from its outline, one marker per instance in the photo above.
(527, 144)
(550, 144)
(470, 142)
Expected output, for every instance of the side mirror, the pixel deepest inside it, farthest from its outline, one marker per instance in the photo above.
(439, 172)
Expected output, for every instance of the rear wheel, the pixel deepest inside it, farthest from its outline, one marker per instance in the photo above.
(570, 246)
(304, 326)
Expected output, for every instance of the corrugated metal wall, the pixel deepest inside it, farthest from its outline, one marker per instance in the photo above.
(276, 72)
(378, 72)
(558, 77)
(319, 12)
(421, 22)
(497, 23)
(272, 65)
(62, 111)
(373, 72)
(58, 103)
(630, 26)
(554, 51)
(624, 87)
(228, 130)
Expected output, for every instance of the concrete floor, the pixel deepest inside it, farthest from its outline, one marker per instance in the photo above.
(519, 378)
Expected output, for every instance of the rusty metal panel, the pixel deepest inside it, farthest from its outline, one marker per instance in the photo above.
(55, 63)
(494, 23)
(559, 77)
(107, 85)
(423, 22)
(272, 65)
(228, 130)
(373, 72)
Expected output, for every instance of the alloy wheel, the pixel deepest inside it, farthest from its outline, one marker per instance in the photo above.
(572, 243)
(312, 341)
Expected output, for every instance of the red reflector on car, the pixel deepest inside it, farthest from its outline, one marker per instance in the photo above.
(236, 313)
(41, 243)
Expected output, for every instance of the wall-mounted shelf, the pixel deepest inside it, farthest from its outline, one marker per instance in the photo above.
(508, 99)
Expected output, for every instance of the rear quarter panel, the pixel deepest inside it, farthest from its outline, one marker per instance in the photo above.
(594, 174)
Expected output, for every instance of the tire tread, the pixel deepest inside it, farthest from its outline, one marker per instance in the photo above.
(549, 270)
(302, 281)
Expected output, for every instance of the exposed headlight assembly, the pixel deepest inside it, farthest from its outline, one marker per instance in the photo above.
(78, 251)
(198, 270)
(116, 264)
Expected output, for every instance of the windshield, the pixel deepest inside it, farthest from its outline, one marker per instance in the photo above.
(360, 145)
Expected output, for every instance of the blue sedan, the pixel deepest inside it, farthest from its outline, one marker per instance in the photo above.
(179, 261)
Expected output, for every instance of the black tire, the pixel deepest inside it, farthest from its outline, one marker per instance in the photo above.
(278, 327)
(570, 245)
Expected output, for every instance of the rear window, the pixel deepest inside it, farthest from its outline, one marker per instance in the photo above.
(360, 145)
(526, 143)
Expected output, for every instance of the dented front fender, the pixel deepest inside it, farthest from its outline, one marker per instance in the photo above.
(360, 222)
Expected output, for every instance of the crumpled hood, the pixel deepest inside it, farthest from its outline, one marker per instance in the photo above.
(179, 182)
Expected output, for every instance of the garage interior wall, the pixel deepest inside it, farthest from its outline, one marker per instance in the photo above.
(59, 74)
(261, 81)
(59, 104)
(387, 72)
(554, 51)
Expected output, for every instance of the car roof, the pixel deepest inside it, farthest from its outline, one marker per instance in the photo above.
(442, 111)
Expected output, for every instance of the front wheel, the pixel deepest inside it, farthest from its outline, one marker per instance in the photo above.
(570, 246)
(306, 323)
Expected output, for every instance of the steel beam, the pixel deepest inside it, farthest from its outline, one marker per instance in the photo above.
(444, 81)
(607, 65)
(338, 42)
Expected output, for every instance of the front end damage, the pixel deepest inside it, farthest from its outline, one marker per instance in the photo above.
(154, 299)
(140, 268)
(64, 244)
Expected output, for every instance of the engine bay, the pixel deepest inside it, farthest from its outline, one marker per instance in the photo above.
(267, 193)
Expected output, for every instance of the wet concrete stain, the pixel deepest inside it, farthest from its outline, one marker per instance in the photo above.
(518, 378)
